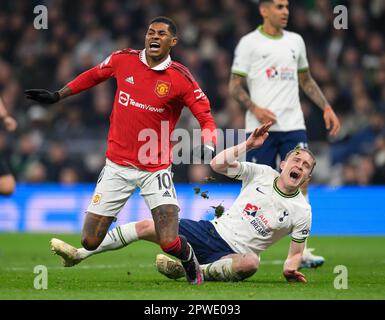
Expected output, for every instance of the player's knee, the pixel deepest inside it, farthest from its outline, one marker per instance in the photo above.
(145, 228)
(90, 243)
(248, 267)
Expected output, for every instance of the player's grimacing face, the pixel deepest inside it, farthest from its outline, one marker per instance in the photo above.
(297, 169)
(159, 40)
(277, 13)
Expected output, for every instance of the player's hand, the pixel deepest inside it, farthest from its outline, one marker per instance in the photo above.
(292, 275)
(331, 121)
(43, 96)
(258, 137)
(264, 115)
(10, 123)
(204, 151)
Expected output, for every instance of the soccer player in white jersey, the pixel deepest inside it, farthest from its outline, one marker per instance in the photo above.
(269, 207)
(269, 65)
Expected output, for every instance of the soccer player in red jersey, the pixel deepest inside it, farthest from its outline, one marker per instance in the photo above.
(151, 92)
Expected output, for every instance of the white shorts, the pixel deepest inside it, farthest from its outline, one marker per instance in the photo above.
(117, 183)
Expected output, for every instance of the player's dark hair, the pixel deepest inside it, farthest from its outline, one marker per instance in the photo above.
(298, 149)
(171, 24)
(265, 1)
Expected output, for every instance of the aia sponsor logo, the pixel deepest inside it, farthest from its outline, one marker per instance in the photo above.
(250, 210)
(272, 73)
(283, 73)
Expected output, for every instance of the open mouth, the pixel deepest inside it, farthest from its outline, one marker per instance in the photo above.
(154, 46)
(294, 175)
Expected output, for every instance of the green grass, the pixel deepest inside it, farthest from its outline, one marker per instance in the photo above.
(129, 273)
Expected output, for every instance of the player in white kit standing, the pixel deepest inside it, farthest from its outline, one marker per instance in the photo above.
(269, 65)
(269, 207)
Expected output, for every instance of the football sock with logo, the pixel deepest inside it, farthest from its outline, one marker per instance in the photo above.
(116, 238)
(179, 248)
(220, 270)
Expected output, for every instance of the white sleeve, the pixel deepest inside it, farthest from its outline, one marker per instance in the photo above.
(242, 61)
(248, 170)
(303, 64)
(301, 229)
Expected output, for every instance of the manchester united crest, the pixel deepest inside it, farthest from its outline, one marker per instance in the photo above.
(162, 88)
(96, 198)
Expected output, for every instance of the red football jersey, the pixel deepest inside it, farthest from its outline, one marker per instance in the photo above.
(148, 103)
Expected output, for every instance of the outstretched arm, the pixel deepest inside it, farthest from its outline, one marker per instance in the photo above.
(200, 108)
(237, 88)
(293, 262)
(313, 91)
(227, 159)
(9, 122)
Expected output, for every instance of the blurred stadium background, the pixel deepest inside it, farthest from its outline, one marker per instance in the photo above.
(56, 148)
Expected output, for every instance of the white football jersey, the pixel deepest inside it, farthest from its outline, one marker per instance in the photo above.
(271, 65)
(262, 214)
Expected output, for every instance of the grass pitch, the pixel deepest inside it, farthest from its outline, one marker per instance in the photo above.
(130, 273)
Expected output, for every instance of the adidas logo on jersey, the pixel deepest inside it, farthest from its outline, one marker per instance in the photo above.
(130, 80)
(166, 194)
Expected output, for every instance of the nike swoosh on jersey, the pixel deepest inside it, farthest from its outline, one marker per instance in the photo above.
(259, 190)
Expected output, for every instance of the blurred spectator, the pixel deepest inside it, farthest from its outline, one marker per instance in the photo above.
(68, 176)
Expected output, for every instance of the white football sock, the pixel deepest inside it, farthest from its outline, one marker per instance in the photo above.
(116, 238)
(220, 270)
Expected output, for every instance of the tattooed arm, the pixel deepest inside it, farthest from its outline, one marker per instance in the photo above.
(238, 91)
(312, 90)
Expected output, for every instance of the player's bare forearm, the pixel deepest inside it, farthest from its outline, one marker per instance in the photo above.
(64, 92)
(238, 92)
(294, 257)
(293, 262)
(312, 90)
(227, 159)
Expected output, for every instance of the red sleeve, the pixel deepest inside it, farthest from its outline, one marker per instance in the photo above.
(199, 105)
(92, 77)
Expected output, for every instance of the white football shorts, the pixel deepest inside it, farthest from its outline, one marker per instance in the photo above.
(117, 183)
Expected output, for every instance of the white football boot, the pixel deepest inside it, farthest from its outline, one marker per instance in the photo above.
(171, 268)
(310, 260)
(69, 253)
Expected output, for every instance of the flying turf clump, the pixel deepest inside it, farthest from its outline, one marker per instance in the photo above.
(197, 190)
(204, 195)
(218, 210)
